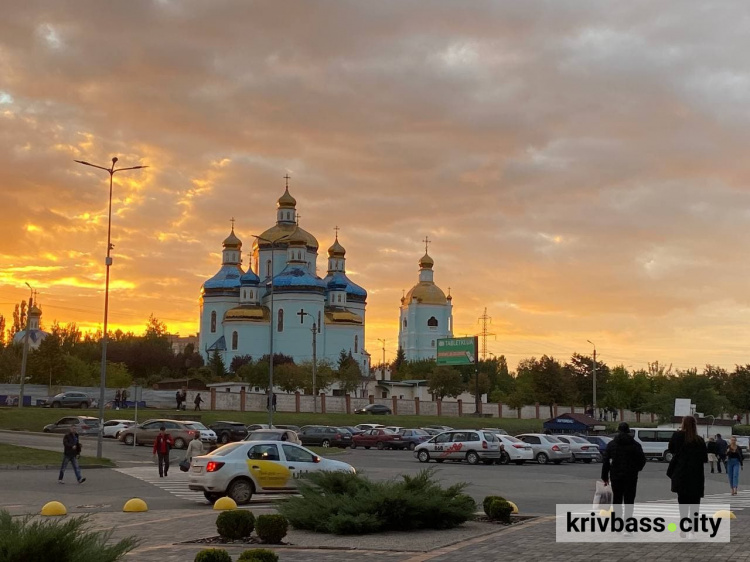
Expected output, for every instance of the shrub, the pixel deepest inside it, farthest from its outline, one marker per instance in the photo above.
(487, 501)
(58, 540)
(235, 524)
(271, 528)
(345, 503)
(213, 555)
(500, 510)
(258, 555)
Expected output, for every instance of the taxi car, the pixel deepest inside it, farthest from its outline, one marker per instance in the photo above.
(241, 469)
(472, 445)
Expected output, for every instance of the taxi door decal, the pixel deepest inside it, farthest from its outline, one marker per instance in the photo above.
(269, 474)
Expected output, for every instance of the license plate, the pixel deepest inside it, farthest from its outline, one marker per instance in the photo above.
(198, 469)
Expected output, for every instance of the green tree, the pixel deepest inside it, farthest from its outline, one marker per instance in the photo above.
(2, 330)
(738, 388)
(216, 364)
(118, 375)
(483, 384)
(398, 363)
(550, 383)
(349, 377)
(288, 377)
(445, 381)
(619, 390)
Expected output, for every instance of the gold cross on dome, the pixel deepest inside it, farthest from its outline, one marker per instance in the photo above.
(287, 177)
(336, 228)
(426, 243)
(232, 221)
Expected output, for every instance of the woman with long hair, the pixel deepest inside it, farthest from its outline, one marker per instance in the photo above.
(734, 464)
(689, 454)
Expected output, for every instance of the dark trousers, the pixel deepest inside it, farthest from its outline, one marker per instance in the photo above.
(197, 406)
(163, 463)
(722, 461)
(623, 490)
(689, 504)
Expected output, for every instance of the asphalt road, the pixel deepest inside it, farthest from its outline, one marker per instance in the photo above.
(535, 488)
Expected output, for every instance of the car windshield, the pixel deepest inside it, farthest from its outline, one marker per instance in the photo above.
(196, 425)
(90, 421)
(552, 439)
(225, 450)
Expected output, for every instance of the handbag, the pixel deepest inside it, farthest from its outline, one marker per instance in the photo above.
(184, 465)
(672, 465)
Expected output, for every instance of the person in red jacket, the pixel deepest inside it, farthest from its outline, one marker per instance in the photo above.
(162, 445)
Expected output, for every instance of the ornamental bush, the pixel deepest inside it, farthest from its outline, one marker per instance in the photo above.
(58, 540)
(343, 503)
(258, 555)
(500, 510)
(487, 501)
(213, 555)
(235, 524)
(271, 528)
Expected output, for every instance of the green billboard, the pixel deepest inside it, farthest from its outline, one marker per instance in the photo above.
(457, 351)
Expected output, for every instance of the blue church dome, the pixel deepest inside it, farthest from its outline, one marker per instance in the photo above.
(297, 278)
(249, 278)
(339, 281)
(228, 277)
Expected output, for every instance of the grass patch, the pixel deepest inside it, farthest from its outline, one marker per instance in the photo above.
(329, 452)
(34, 419)
(15, 455)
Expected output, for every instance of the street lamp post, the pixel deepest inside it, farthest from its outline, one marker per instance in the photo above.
(594, 376)
(107, 262)
(25, 357)
(314, 360)
(270, 323)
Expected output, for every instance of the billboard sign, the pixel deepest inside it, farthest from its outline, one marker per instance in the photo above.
(457, 351)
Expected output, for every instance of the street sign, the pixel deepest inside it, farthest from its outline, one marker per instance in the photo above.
(457, 351)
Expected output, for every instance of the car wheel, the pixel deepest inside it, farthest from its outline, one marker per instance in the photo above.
(354, 445)
(211, 497)
(587, 461)
(380, 445)
(129, 439)
(668, 456)
(55, 404)
(557, 462)
(179, 443)
(472, 457)
(412, 446)
(325, 444)
(542, 458)
(224, 438)
(117, 435)
(519, 463)
(423, 456)
(241, 491)
(599, 458)
(504, 458)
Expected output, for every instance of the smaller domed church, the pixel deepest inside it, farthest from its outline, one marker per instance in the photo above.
(426, 315)
(239, 310)
(36, 335)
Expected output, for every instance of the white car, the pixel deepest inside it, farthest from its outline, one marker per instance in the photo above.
(515, 450)
(207, 435)
(472, 445)
(112, 428)
(239, 470)
(368, 426)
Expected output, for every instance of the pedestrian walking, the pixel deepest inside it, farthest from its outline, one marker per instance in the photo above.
(71, 452)
(623, 459)
(194, 448)
(184, 399)
(197, 402)
(162, 445)
(734, 464)
(712, 449)
(178, 398)
(689, 454)
(118, 397)
(124, 398)
(721, 451)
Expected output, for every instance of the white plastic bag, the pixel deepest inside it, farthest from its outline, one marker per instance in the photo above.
(602, 496)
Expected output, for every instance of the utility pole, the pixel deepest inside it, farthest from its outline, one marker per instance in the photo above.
(382, 365)
(25, 347)
(315, 366)
(594, 377)
(485, 321)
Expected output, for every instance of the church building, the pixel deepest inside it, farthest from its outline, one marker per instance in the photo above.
(426, 314)
(280, 297)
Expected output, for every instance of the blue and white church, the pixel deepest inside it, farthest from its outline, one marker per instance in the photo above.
(281, 296)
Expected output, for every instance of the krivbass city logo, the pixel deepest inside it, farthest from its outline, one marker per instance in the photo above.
(645, 522)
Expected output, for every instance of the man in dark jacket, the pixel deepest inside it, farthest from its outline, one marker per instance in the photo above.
(721, 451)
(623, 460)
(71, 450)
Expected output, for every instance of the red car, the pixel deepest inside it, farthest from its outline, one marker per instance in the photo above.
(379, 438)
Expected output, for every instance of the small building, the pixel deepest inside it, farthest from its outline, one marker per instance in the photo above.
(574, 423)
(176, 384)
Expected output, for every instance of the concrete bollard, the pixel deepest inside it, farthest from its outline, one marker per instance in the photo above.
(723, 514)
(54, 508)
(135, 505)
(225, 504)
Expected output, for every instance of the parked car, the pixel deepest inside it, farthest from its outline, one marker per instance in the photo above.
(325, 436)
(440, 427)
(394, 428)
(294, 428)
(112, 428)
(582, 449)
(654, 441)
(227, 431)
(547, 448)
(365, 426)
(239, 470)
(599, 440)
(432, 430)
(374, 410)
(515, 450)
(352, 429)
(460, 444)
(495, 430)
(85, 425)
(380, 439)
(274, 435)
(257, 426)
(182, 432)
(70, 400)
(414, 437)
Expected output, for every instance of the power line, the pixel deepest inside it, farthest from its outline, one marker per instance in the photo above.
(485, 321)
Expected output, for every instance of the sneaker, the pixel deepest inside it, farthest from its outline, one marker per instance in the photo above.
(82, 480)
(60, 482)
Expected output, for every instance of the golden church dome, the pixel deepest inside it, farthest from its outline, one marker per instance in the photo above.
(336, 250)
(286, 201)
(426, 262)
(287, 232)
(232, 240)
(425, 292)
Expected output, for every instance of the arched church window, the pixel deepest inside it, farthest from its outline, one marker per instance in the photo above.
(356, 344)
(319, 321)
(404, 322)
(251, 294)
(299, 255)
(339, 298)
(432, 322)
(280, 322)
(213, 321)
(268, 268)
(244, 294)
(235, 340)
(432, 343)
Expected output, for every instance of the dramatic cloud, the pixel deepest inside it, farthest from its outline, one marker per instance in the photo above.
(580, 166)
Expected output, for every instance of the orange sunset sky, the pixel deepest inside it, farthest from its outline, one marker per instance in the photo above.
(581, 167)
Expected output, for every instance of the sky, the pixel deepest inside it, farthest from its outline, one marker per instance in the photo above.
(579, 166)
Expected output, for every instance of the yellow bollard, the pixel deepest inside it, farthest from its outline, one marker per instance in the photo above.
(225, 503)
(514, 506)
(54, 508)
(135, 505)
(723, 514)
